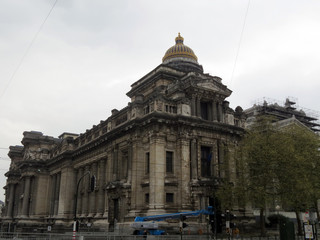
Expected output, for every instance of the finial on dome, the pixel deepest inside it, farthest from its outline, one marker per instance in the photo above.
(179, 39)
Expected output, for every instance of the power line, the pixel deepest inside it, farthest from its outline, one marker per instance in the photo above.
(240, 41)
(27, 51)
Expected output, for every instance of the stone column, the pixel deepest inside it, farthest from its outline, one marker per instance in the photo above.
(80, 195)
(56, 194)
(115, 164)
(193, 106)
(40, 194)
(66, 191)
(194, 165)
(221, 158)
(52, 190)
(210, 114)
(157, 173)
(102, 169)
(106, 206)
(92, 195)
(185, 173)
(220, 113)
(214, 111)
(215, 160)
(85, 193)
(26, 194)
(137, 158)
(198, 107)
(129, 168)
(10, 200)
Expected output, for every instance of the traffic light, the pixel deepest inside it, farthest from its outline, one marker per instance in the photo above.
(182, 218)
(182, 223)
(219, 217)
(229, 223)
(232, 217)
(92, 183)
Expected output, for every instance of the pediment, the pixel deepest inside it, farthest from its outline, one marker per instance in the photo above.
(208, 85)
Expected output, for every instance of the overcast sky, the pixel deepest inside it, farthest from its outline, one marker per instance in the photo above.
(65, 71)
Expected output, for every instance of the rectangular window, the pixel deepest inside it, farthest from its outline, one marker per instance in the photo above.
(169, 162)
(169, 197)
(116, 209)
(146, 198)
(175, 110)
(146, 110)
(171, 109)
(206, 158)
(147, 162)
(204, 110)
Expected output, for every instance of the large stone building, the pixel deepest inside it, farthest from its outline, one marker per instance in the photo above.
(283, 114)
(162, 153)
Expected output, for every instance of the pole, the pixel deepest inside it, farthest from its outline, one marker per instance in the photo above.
(228, 228)
(181, 226)
(74, 230)
(215, 218)
(278, 218)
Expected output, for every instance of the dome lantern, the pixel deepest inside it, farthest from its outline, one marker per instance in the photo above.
(179, 39)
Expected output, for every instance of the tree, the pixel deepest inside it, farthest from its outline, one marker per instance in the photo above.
(298, 174)
(259, 149)
(280, 163)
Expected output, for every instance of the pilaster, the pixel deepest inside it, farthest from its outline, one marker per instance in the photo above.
(194, 164)
(10, 200)
(41, 194)
(85, 198)
(185, 173)
(220, 112)
(101, 194)
(56, 193)
(80, 195)
(214, 111)
(157, 173)
(198, 103)
(92, 195)
(66, 193)
(137, 159)
(193, 106)
(26, 196)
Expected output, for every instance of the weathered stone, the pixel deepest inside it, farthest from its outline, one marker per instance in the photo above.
(159, 154)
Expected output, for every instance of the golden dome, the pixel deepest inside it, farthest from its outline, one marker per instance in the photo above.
(179, 51)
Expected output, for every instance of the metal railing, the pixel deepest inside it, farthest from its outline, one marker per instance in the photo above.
(109, 236)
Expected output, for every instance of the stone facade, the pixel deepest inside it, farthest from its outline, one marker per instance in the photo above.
(167, 151)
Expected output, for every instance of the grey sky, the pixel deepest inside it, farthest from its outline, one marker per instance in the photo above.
(88, 53)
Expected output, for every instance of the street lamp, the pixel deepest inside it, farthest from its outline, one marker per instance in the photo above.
(92, 185)
(278, 225)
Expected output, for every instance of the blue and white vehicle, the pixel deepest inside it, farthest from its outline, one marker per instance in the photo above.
(148, 224)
